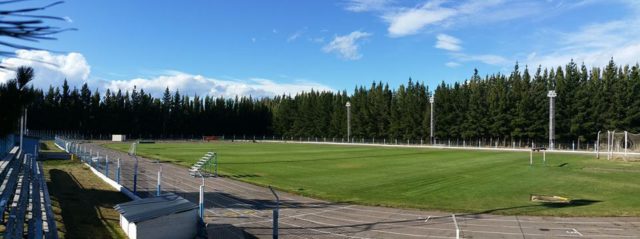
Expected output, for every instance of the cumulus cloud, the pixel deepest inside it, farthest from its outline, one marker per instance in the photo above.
(200, 85)
(448, 43)
(346, 46)
(50, 69)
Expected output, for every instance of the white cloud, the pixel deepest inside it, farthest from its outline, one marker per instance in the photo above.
(484, 58)
(448, 43)
(294, 36)
(452, 64)
(366, 5)
(405, 21)
(346, 46)
(593, 44)
(50, 69)
(197, 84)
(410, 21)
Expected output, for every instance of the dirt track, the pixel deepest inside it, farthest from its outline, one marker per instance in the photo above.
(239, 210)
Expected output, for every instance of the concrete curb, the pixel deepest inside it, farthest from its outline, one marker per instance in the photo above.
(113, 184)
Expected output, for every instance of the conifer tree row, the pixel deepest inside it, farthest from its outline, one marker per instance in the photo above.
(499, 107)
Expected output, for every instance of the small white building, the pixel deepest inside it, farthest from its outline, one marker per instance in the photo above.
(165, 216)
(118, 137)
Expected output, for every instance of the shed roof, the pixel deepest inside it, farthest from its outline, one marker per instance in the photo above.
(149, 208)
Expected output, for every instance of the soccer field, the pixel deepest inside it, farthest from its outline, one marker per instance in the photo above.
(448, 180)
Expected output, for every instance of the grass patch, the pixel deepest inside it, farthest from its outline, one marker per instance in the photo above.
(82, 202)
(434, 179)
(49, 147)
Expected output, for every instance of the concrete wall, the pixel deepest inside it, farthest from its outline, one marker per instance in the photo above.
(118, 137)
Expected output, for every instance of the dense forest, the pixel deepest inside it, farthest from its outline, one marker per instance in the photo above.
(501, 107)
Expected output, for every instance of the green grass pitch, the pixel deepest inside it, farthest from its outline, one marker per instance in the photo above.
(434, 179)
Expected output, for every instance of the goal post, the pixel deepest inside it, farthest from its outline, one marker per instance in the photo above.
(619, 145)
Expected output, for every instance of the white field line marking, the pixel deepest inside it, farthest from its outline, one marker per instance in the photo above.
(554, 222)
(325, 232)
(574, 231)
(373, 230)
(298, 215)
(505, 226)
(426, 220)
(365, 222)
(384, 219)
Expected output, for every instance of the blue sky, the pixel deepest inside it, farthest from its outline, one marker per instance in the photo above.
(264, 48)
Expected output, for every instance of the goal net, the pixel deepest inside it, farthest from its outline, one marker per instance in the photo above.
(619, 145)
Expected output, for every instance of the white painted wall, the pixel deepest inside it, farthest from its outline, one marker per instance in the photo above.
(182, 225)
(118, 137)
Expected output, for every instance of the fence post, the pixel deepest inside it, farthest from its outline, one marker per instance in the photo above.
(118, 172)
(531, 157)
(201, 202)
(135, 177)
(106, 165)
(159, 187)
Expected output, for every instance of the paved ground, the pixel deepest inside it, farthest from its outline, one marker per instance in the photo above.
(240, 210)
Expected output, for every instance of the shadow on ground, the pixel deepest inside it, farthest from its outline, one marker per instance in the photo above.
(228, 231)
(535, 207)
(79, 206)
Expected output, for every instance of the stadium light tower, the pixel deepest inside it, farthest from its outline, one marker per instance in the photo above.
(552, 131)
(348, 105)
(431, 100)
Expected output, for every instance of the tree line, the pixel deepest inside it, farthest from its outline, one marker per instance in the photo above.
(497, 107)
(500, 107)
(140, 115)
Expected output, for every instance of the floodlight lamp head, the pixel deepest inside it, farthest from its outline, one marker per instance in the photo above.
(552, 93)
(348, 104)
(431, 99)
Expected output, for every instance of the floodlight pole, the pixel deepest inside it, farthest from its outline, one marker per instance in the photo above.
(431, 100)
(348, 105)
(552, 131)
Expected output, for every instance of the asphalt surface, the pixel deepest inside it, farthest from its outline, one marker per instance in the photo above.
(240, 210)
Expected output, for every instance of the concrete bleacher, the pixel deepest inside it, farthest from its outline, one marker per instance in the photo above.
(24, 198)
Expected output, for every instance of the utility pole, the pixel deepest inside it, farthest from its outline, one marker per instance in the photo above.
(552, 131)
(431, 100)
(348, 105)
